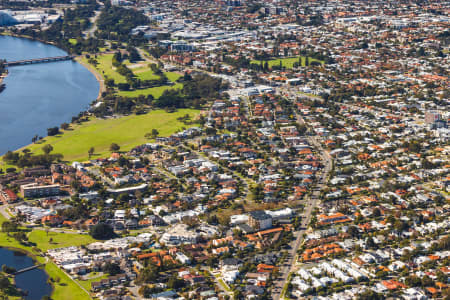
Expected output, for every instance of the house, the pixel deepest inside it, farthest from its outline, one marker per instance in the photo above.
(52, 220)
(260, 220)
(165, 295)
(8, 196)
(333, 219)
(230, 264)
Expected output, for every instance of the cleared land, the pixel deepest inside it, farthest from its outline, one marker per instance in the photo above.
(287, 62)
(127, 132)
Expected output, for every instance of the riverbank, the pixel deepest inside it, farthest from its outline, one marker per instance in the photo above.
(98, 76)
(3, 76)
(68, 89)
(8, 33)
(32, 279)
(78, 59)
(126, 131)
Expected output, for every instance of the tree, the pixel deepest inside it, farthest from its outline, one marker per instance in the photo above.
(353, 231)
(111, 268)
(9, 226)
(123, 161)
(152, 135)
(4, 283)
(9, 270)
(175, 283)
(35, 139)
(413, 281)
(52, 131)
(47, 149)
(20, 237)
(149, 274)
(370, 243)
(101, 231)
(376, 212)
(114, 147)
(91, 151)
(370, 295)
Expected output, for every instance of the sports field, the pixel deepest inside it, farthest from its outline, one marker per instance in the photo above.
(287, 62)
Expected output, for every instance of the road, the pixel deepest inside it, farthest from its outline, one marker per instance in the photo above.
(90, 32)
(244, 181)
(311, 201)
(4, 212)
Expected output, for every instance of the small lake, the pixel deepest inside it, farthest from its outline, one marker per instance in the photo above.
(34, 281)
(40, 96)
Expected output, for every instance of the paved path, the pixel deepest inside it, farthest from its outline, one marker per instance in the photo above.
(4, 212)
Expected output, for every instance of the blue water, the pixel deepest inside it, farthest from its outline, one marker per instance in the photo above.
(40, 96)
(34, 281)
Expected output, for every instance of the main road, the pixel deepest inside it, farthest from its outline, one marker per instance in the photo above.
(311, 201)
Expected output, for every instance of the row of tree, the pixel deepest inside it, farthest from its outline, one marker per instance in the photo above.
(27, 159)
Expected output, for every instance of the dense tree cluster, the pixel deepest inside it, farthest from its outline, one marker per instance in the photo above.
(102, 231)
(27, 159)
(195, 92)
(115, 23)
(65, 31)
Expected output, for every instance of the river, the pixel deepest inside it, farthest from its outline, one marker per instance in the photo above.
(34, 281)
(40, 96)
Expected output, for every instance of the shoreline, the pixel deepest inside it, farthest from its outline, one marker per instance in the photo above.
(30, 38)
(33, 257)
(2, 85)
(78, 59)
(97, 75)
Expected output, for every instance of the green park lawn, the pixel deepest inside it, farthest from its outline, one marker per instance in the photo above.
(145, 75)
(156, 92)
(106, 69)
(59, 240)
(287, 62)
(66, 288)
(127, 132)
